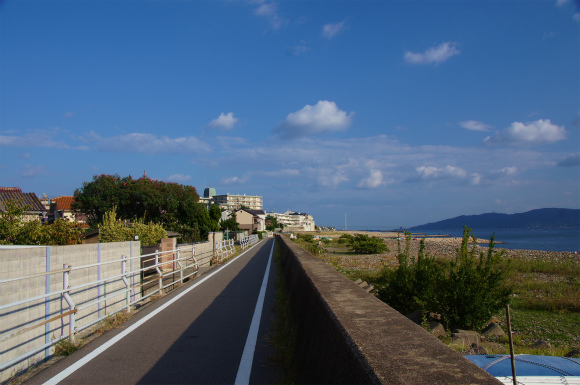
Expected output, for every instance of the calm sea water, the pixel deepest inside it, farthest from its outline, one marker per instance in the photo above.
(567, 239)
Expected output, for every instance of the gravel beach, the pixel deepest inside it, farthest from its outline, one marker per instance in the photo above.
(436, 246)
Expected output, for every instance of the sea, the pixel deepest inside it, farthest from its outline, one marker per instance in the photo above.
(553, 239)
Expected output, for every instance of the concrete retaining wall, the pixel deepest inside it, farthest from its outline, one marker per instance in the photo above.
(348, 336)
(28, 261)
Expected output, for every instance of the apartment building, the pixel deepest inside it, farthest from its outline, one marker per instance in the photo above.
(231, 202)
(293, 221)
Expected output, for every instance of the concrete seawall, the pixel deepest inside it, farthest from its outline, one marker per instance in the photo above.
(348, 336)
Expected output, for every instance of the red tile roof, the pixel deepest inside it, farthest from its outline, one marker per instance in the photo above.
(63, 202)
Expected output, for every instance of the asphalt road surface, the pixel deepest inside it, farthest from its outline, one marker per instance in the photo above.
(197, 339)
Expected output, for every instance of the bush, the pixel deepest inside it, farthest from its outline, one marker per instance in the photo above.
(111, 230)
(364, 244)
(346, 238)
(466, 292)
(306, 237)
(413, 285)
(474, 288)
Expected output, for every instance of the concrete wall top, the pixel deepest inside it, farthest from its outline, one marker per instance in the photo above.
(391, 346)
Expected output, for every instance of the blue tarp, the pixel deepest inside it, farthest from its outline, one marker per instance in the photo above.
(499, 365)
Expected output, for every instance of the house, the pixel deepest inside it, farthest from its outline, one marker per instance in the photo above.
(251, 220)
(35, 209)
(61, 207)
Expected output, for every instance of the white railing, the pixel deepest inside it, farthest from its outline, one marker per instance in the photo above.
(177, 265)
(224, 249)
(249, 241)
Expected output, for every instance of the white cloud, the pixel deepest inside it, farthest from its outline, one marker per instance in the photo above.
(474, 125)
(330, 30)
(278, 173)
(146, 144)
(332, 178)
(434, 173)
(535, 133)
(226, 121)
(178, 178)
(561, 3)
(324, 117)
(297, 50)
(475, 178)
(68, 114)
(433, 55)
(43, 138)
(29, 171)
(230, 141)
(571, 161)
(24, 155)
(373, 181)
(234, 180)
(269, 11)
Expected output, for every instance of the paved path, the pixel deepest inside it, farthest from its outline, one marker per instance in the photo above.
(198, 339)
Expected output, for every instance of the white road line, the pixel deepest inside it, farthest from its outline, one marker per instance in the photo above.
(245, 369)
(80, 363)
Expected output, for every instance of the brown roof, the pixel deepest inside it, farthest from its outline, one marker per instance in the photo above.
(10, 189)
(63, 202)
(25, 199)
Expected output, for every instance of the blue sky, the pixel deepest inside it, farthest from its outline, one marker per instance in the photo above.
(396, 113)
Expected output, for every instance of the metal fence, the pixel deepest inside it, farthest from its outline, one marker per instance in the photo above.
(81, 304)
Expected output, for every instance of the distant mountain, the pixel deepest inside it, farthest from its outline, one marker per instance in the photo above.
(541, 218)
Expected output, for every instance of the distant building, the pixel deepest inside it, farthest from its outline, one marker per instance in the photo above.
(230, 202)
(293, 221)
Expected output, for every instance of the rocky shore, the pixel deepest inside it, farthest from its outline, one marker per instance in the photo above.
(434, 246)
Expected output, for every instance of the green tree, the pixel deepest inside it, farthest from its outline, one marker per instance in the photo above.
(176, 207)
(364, 244)
(231, 223)
(215, 214)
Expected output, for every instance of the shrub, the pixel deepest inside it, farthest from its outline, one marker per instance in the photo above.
(306, 237)
(474, 288)
(346, 238)
(111, 230)
(467, 291)
(413, 285)
(364, 244)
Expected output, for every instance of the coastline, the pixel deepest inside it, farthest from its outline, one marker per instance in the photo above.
(435, 247)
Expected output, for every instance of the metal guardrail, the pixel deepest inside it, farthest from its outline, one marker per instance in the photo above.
(184, 258)
(249, 241)
(224, 249)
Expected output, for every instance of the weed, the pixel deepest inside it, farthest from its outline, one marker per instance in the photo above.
(67, 347)
(112, 322)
